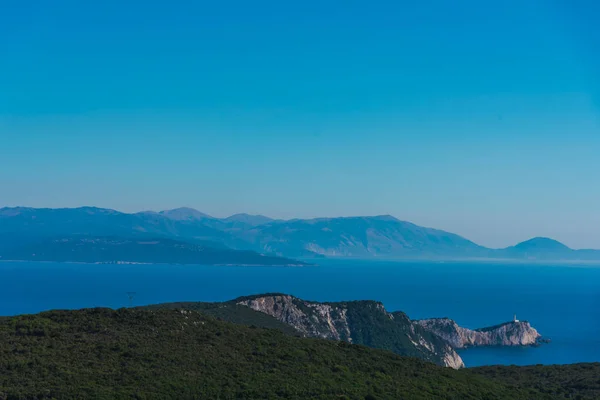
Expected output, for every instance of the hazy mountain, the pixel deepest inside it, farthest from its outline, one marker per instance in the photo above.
(380, 236)
(247, 219)
(100, 222)
(541, 244)
(541, 248)
(363, 237)
(185, 214)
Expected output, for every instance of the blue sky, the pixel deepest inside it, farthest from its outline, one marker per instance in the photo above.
(481, 118)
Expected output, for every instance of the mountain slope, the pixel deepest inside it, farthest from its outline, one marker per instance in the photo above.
(45, 222)
(382, 236)
(182, 354)
(229, 311)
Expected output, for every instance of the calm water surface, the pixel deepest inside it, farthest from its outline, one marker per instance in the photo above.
(562, 302)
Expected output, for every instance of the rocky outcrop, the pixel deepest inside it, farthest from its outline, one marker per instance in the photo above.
(359, 322)
(311, 319)
(519, 333)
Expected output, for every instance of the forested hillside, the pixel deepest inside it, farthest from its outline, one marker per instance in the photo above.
(183, 354)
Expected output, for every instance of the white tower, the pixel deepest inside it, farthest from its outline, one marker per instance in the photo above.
(515, 318)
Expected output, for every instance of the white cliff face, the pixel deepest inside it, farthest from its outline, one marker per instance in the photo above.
(508, 334)
(452, 359)
(280, 307)
(335, 319)
(448, 356)
(324, 321)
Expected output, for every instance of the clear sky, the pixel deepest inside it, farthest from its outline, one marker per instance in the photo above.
(478, 117)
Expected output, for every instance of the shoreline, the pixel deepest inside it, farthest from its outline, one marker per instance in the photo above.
(154, 263)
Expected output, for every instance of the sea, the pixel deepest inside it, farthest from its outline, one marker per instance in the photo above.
(561, 301)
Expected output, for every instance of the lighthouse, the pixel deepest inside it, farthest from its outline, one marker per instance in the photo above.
(515, 318)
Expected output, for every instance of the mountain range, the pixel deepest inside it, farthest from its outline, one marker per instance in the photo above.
(385, 237)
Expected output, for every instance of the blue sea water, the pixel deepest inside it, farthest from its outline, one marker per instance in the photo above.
(562, 302)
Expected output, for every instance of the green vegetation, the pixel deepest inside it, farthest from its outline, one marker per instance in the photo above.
(230, 311)
(577, 381)
(181, 354)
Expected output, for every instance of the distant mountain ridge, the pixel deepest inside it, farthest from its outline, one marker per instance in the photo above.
(185, 214)
(356, 237)
(381, 236)
(253, 220)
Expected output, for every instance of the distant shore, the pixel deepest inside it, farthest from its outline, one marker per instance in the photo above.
(158, 263)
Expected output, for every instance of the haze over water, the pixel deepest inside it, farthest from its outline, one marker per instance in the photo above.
(562, 302)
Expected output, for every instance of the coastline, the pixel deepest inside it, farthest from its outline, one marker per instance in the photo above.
(152, 263)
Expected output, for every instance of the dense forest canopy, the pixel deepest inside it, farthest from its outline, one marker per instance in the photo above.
(184, 354)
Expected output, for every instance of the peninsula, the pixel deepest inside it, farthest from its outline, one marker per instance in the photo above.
(367, 323)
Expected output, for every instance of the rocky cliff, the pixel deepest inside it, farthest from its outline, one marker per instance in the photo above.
(358, 322)
(519, 333)
(310, 319)
(369, 324)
